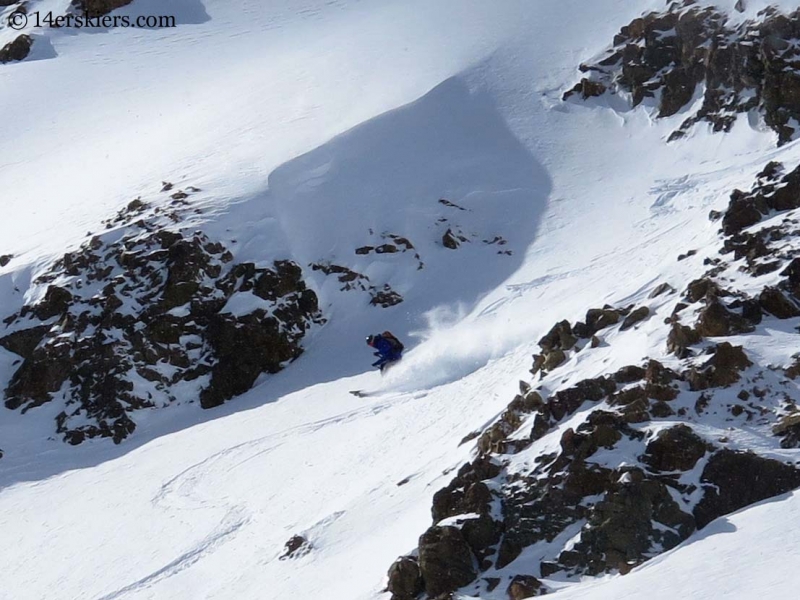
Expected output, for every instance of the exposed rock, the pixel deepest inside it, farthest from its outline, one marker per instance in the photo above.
(5, 259)
(600, 318)
(792, 274)
(749, 66)
(16, 50)
(246, 346)
(385, 298)
(680, 338)
(466, 493)
(721, 370)
(405, 579)
(524, 586)
(675, 449)
(774, 302)
(494, 438)
(661, 410)
(621, 530)
(296, 547)
(449, 240)
(733, 480)
(445, 560)
(629, 374)
(449, 204)
(715, 320)
(560, 336)
(701, 288)
(56, 301)
(134, 319)
(638, 315)
(789, 429)
(748, 208)
(24, 342)
(657, 374)
(586, 89)
(538, 363)
(566, 402)
(742, 212)
(554, 359)
(660, 289)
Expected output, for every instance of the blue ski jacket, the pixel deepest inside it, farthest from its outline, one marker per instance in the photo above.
(385, 350)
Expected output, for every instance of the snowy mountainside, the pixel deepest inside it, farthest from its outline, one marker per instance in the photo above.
(360, 142)
(582, 477)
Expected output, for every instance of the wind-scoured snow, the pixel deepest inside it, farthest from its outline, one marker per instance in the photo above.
(314, 128)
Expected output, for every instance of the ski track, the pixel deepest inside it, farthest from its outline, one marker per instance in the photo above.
(209, 545)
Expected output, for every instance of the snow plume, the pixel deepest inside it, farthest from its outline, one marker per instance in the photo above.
(453, 346)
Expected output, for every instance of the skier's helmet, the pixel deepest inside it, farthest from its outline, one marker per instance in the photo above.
(370, 340)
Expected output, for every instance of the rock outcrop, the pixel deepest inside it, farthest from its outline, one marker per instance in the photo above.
(149, 315)
(670, 57)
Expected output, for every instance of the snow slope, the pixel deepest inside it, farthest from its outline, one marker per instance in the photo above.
(307, 124)
(745, 555)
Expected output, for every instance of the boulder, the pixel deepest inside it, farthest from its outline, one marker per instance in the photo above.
(554, 359)
(721, 370)
(629, 374)
(445, 560)
(524, 586)
(716, 320)
(296, 547)
(638, 315)
(792, 275)
(660, 289)
(449, 240)
(701, 288)
(385, 298)
(774, 302)
(405, 579)
(675, 449)
(56, 301)
(742, 212)
(560, 337)
(680, 338)
(16, 50)
(600, 318)
(788, 428)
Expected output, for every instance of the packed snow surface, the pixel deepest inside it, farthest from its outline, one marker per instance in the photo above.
(310, 126)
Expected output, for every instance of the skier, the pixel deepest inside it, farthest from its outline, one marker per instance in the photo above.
(389, 349)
